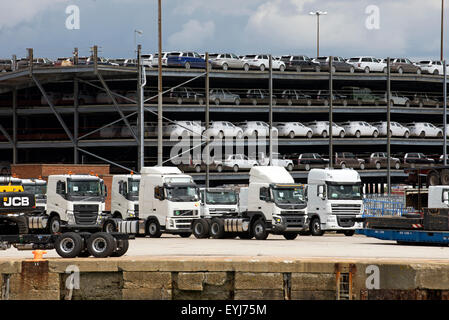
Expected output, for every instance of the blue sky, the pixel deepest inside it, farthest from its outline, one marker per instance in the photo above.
(409, 28)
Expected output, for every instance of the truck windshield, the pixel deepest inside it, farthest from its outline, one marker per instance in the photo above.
(293, 195)
(221, 197)
(182, 193)
(344, 192)
(133, 187)
(84, 188)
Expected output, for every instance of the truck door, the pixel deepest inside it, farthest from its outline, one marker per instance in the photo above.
(158, 204)
(265, 202)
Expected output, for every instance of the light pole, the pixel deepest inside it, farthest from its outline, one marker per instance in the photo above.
(140, 32)
(442, 28)
(318, 14)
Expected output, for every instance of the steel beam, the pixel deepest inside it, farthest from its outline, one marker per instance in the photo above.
(14, 126)
(75, 120)
(52, 107)
(122, 115)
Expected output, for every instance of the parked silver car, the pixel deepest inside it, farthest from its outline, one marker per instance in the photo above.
(223, 95)
(227, 61)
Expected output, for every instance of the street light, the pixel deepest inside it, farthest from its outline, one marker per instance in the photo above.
(140, 32)
(318, 14)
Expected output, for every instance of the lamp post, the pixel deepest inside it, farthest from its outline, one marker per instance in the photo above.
(318, 14)
(140, 32)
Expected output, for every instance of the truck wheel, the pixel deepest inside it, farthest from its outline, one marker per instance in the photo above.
(153, 229)
(217, 229)
(54, 225)
(260, 230)
(445, 177)
(109, 226)
(349, 233)
(315, 227)
(185, 234)
(69, 245)
(433, 179)
(101, 245)
(122, 248)
(290, 236)
(200, 229)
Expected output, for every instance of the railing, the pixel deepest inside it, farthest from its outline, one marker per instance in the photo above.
(381, 205)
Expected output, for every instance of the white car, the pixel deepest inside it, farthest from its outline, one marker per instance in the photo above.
(257, 129)
(261, 62)
(236, 162)
(368, 64)
(147, 60)
(398, 100)
(431, 66)
(227, 61)
(321, 128)
(293, 129)
(183, 129)
(360, 129)
(155, 59)
(278, 160)
(221, 129)
(424, 129)
(396, 129)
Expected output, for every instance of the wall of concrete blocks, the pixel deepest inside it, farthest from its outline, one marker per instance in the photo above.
(222, 279)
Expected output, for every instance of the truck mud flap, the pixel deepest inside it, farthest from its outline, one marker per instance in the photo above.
(236, 225)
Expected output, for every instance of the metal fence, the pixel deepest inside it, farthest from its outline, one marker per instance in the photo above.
(382, 205)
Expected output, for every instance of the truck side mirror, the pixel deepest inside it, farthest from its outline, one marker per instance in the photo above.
(158, 193)
(321, 192)
(60, 188)
(264, 194)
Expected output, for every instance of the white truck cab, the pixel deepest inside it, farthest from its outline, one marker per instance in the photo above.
(334, 201)
(75, 201)
(38, 187)
(274, 203)
(125, 196)
(438, 197)
(218, 201)
(168, 201)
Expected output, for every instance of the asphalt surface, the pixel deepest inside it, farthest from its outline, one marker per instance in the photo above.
(330, 246)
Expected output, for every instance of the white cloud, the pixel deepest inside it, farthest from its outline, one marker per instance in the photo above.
(192, 35)
(220, 7)
(287, 24)
(13, 13)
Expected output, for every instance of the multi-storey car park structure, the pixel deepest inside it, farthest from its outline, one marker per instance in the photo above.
(61, 114)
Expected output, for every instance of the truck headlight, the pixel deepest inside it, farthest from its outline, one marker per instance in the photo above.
(70, 217)
(277, 220)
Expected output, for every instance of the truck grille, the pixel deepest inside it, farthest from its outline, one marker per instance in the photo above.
(183, 213)
(85, 214)
(183, 223)
(294, 221)
(346, 221)
(136, 210)
(346, 208)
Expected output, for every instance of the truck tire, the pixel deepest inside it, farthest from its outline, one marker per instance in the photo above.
(153, 229)
(185, 234)
(121, 249)
(315, 227)
(54, 224)
(259, 230)
(109, 226)
(217, 228)
(349, 233)
(445, 177)
(200, 228)
(433, 179)
(69, 245)
(101, 244)
(290, 235)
